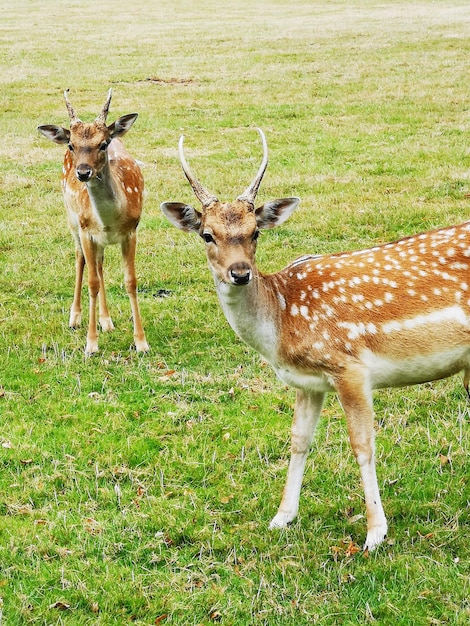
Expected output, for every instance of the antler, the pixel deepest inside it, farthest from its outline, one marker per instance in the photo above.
(204, 196)
(250, 192)
(71, 112)
(104, 113)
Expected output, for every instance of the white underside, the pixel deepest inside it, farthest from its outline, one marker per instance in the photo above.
(294, 378)
(383, 372)
(416, 369)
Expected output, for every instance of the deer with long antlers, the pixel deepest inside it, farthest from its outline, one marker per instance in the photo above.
(388, 316)
(103, 190)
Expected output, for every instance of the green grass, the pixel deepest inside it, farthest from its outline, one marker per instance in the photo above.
(138, 489)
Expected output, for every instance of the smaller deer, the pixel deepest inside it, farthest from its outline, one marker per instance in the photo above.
(388, 316)
(103, 189)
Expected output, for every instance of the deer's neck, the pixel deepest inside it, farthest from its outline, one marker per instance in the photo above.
(104, 195)
(251, 313)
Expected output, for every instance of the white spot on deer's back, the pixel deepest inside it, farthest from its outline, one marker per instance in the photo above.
(329, 311)
(450, 314)
(356, 330)
(304, 312)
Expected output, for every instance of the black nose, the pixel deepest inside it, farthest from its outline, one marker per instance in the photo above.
(240, 274)
(84, 173)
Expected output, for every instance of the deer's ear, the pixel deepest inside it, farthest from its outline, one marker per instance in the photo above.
(122, 125)
(57, 134)
(275, 212)
(182, 216)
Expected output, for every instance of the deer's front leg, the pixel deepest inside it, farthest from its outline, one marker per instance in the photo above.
(106, 322)
(90, 252)
(356, 398)
(130, 280)
(76, 310)
(308, 407)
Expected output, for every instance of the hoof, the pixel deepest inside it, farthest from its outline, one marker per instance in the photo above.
(91, 348)
(375, 537)
(282, 520)
(75, 320)
(141, 345)
(106, 324)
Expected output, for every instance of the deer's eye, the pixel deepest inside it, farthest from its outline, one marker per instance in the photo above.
(208, 238)
(104, 146)
(255, 235)
(70, 146)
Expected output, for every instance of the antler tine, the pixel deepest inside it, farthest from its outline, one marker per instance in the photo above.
(104, 113)
(71, 112)
(204, 196)
(250, 192)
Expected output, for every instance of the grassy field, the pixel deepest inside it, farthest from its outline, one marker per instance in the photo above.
(138, 489)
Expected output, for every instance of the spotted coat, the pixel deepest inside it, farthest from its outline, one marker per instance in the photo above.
(103, 190)
(391, 315)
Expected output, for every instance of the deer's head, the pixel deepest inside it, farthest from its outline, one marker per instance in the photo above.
(88, 141)
(229, 229)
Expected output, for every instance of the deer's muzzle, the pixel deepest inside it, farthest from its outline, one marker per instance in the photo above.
(240, 273)
(84, 173)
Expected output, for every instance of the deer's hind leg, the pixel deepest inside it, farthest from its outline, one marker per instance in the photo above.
(356, 399)
(128, 255)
